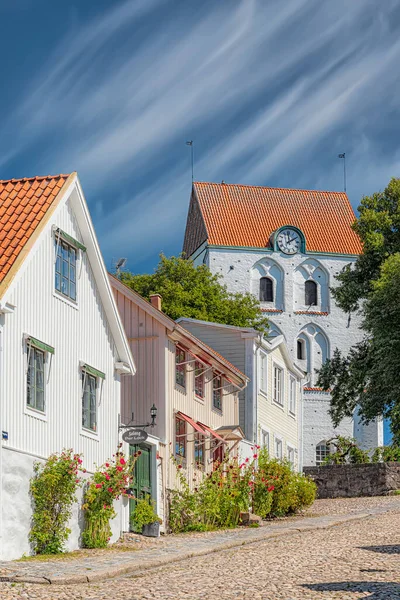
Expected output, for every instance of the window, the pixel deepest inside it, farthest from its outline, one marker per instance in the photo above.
(65, 271)
(35, 379)
(278, 448)
(322, 451)
(300, 350)
(89, 401)
(266, 289)
(218, 454)
(265, 439)
(180, 367)
(291, 455)
(199, 441)
(278, 380)
(217, 392)
(263, 372)
(311, 296)
(199, 379)
(180, 437)
(292, 395)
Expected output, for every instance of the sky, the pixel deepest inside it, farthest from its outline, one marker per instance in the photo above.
(270, 92)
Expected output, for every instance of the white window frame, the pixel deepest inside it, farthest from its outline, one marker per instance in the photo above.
(280, 400)
(31, 410)
(265, 434)
(327, 452)
(291, 449)
(292, 396)
(263, 373)
(278, 440)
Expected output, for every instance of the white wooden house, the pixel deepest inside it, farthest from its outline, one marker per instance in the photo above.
(271, 406)
(63, 348)
(194, 388)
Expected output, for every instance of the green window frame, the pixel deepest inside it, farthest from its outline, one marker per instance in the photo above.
(65, 269)
(180, 437)
(35, 379)
(199, 379)
(180, 369)
(89, 401)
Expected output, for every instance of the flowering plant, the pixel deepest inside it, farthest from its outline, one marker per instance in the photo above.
(53, 489)
(107, 484)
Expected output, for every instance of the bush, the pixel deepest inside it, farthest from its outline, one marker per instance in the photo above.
(53, 490)
(268, 487)
(386, 454)
(108, 483)
(144, 514)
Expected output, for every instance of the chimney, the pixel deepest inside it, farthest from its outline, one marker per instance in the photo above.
(155, 300)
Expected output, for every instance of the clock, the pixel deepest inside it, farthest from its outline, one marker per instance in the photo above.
(288, 241)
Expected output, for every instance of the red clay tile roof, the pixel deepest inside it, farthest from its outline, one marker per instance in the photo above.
(23, 204)
(243, 215)
(311, 312)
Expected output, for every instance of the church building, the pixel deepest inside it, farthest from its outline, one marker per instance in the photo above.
(286, 246)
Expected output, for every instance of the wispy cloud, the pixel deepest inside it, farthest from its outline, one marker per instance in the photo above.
(270, 91)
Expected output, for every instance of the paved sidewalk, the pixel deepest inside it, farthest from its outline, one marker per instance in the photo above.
(171, 549)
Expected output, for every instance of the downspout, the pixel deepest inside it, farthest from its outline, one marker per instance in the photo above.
(300, 433)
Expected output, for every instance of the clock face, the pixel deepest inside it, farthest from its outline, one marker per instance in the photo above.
(288, 241)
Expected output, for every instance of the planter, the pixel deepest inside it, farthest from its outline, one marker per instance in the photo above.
(151, 530)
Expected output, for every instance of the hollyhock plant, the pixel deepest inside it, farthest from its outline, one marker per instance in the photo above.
(108, 483)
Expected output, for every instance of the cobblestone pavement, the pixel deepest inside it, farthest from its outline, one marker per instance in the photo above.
(357, 559)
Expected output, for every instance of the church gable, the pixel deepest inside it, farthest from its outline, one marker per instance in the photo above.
(196, 232)
(247, 216)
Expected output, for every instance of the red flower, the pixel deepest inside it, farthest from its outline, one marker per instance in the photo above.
(80, 461)
(271, 488)
(139, 453)
(255, 455)
(99, 485)
(247, 460)
(76, 480)
(110, 490)
(258, 447)
(119, 469)
(122, 461)
(107, 465)
(107, 477)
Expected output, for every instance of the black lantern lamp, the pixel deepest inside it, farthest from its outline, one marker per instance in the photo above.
(153, 414)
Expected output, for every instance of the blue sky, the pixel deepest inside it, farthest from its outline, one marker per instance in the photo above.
(269, 91)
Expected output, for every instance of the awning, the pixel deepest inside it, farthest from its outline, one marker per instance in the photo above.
(213, 433)
(231, 433)
(191, 422)
(68, 238)
(41, 345)
(93, 371)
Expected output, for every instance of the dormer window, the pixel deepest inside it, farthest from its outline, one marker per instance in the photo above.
(65, 274)
(266, 289)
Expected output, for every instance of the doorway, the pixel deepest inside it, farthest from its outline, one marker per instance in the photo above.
(141, 486)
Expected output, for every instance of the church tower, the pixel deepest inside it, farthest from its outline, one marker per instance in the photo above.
(286, 247)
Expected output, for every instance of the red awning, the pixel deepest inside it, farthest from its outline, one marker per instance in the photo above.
(213, 433)
(193, 423)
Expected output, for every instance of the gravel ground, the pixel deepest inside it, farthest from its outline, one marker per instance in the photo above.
(355, 560)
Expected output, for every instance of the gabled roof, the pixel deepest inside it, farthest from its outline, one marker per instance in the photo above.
(26, 208)
(246, 216)
(177, 332)
(23, 204)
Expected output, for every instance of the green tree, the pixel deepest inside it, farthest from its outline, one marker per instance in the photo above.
(369, 376)
(194, 292)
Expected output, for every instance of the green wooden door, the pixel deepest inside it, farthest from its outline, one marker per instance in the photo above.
(142, 476)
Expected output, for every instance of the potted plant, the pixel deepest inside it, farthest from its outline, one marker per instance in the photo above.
(145, 519)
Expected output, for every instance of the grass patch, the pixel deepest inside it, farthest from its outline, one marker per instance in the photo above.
(77, 554)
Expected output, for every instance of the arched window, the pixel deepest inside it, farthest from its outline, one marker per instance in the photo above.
(321, 452)
(301, 350)
(311, 295)
(266, 289)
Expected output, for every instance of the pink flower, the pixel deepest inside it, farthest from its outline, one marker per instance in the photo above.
(119, 469)
(80, 461)
(255, 455)
(107, 465)
(110, 490)
(107, 477)
(122, 461)
(247, 460)
(258, 447)
(99, 485)
(76, 480)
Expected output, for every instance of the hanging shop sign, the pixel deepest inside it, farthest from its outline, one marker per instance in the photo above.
(134, 436)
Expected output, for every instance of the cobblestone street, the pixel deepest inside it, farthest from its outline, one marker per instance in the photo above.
(359, 559)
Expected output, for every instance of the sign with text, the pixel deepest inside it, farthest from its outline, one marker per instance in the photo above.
(134, 436)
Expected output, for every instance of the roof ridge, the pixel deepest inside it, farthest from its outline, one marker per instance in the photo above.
(266, 187)
(37, 178)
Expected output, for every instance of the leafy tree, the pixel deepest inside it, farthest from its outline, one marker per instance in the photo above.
(194, 292)
(369, 376)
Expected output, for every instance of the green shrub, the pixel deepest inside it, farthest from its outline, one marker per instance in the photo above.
(144, 514)
(386, 454)
(53, 489)
(268, 487)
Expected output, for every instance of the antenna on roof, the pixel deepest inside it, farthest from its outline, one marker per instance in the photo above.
(344, 167)
(120, 265)
(190, 143)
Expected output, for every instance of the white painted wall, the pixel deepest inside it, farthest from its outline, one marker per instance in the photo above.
(78, 332)
(322, 332)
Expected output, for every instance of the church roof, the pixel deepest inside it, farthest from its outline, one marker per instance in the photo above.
(246, 216)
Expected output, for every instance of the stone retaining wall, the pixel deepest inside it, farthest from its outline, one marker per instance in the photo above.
(349, 481)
